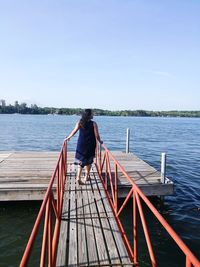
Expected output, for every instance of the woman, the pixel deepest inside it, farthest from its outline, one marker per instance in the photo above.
(86, 145)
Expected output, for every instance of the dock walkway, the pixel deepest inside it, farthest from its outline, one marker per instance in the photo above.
(89, 235)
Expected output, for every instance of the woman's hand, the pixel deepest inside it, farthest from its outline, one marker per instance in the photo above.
(73, 132)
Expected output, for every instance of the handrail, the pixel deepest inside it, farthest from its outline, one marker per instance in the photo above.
(48, 208)
(51, 207)
(105, 173)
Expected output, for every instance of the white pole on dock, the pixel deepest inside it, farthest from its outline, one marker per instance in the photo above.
(127, 140)
(163, 167)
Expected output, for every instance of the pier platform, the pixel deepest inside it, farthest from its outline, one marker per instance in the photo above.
(25, 175)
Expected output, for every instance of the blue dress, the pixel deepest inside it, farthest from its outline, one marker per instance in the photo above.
(86, 145)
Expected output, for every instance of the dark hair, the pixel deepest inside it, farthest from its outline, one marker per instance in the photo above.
(86, 116)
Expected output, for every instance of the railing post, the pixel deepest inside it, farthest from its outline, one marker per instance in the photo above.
(58, 189)
(135, 228)
(44, 240)
(116, 188)
(66, 159)
(100, 157)
(188, 263)
(106, 172)
(127, 140)
(49, 233)
(163, 167)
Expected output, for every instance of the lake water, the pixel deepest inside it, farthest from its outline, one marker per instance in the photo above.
(178, 137)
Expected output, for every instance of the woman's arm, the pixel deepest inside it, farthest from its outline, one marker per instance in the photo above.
(96, 132)
(73, 132)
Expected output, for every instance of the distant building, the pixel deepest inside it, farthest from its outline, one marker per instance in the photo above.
(2, 102)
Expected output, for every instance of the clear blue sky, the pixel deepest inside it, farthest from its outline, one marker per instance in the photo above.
(110, 54)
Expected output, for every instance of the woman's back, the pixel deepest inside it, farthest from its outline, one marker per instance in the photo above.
(86, 141)
(86, 133)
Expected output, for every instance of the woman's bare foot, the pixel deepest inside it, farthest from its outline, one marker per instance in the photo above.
(79, 181)
(86, 178)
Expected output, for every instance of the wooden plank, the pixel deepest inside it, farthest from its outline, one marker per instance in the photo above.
(20, 186)
(4, 156)
(110, 243)
(113, 225)
(103, 256)
(150, 190)
(82, 244)
(90, 233)
(73, 250)
(62, 251)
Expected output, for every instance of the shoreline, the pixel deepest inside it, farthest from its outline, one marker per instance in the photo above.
(106, 115)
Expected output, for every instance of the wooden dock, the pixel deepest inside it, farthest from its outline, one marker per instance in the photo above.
(87, 227)
(89, 235)
(25, 175)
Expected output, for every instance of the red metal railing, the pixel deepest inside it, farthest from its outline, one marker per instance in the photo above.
(109, 176)
(49, 207)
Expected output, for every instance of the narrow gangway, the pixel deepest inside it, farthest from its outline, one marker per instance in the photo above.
(81, 223)
(89, 235)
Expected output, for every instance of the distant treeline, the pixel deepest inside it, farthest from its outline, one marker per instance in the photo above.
(23, 108)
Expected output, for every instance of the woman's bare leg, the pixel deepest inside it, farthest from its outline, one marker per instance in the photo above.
(79, 172)
(88, 168)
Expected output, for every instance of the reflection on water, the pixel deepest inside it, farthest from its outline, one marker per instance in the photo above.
(16, 223)
(178, 137)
